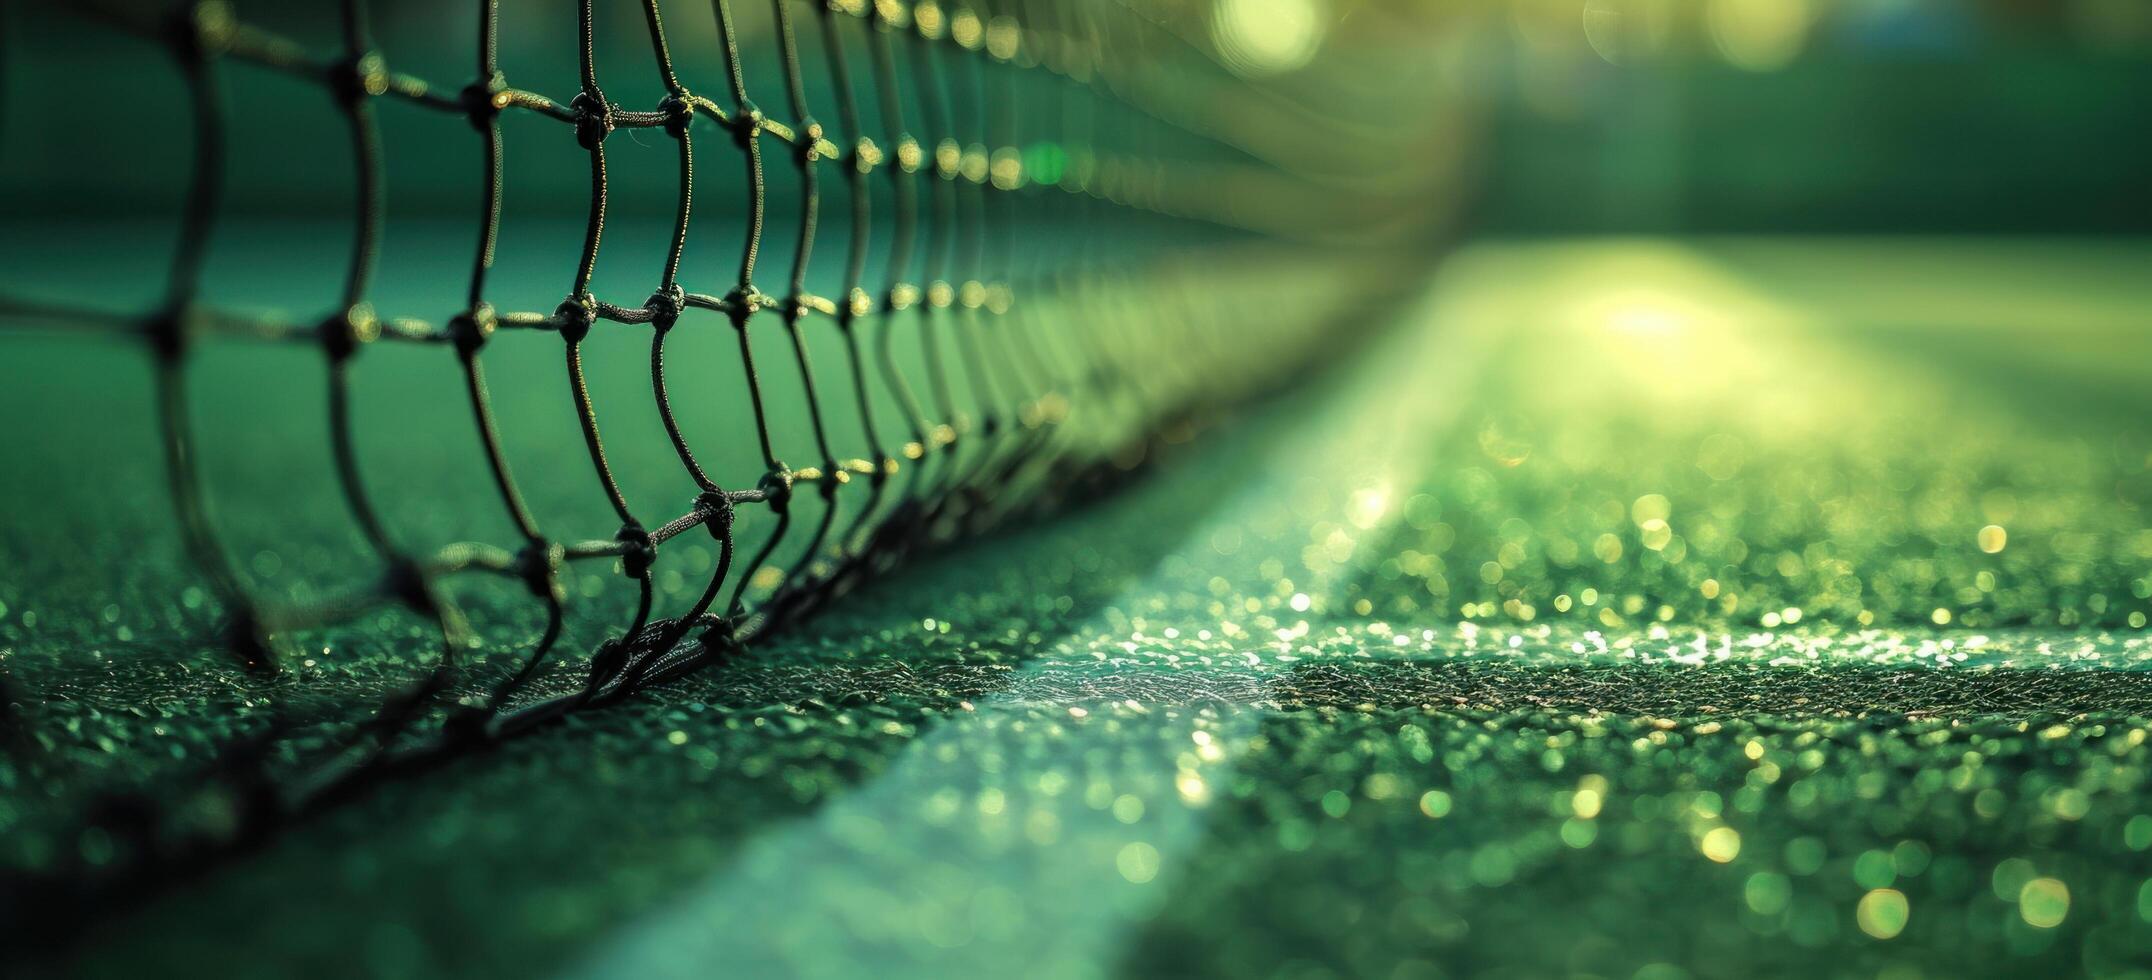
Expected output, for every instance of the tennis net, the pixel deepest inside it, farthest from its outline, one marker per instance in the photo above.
(1008, 197)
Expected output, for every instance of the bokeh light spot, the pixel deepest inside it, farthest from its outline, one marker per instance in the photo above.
(1266, 37)
(1882, 913)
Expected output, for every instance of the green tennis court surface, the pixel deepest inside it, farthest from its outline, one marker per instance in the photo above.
(1763, 607)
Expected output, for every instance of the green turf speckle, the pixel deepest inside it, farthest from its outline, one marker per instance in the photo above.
(1231, 723)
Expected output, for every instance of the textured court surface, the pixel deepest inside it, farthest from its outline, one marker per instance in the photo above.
(1631, 609)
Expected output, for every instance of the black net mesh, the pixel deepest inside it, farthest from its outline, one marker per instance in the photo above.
(1013, 168)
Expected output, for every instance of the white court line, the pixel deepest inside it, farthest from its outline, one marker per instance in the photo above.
(871, 885)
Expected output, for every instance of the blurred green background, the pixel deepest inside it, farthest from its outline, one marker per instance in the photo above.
(1803, 116)
(1728, 557)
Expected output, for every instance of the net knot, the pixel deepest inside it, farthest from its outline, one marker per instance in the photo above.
(171, 330)
(741, 303)
(857, 303)
(665, 306)
(715, 506)
(348, 329)
(471, 329)
(593, 118)
(776, 488)
(359, 77)
(908, 153)
(639, 550)
(575, 316)
(539, 566)
(890, 14)
(482, 100)
(747, 124)
(202, 30)
(865, 155)
(810, 144)
(679, 110)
